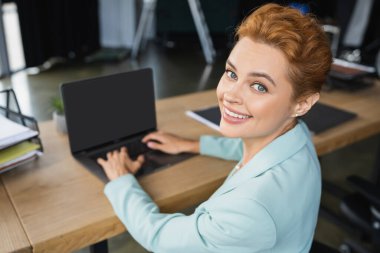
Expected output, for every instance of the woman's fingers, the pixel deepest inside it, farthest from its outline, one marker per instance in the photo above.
(155, 136)
(124, 150)
(136, 164)
(101, 161)
(155, 145)
(111, 166)
(119, 163)
(164, 142)
(132, 165)
(157, 141)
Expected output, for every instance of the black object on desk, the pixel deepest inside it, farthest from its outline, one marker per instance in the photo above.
(119, 111)
(322, 117)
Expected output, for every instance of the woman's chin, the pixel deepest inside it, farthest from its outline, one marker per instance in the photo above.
(229, 132)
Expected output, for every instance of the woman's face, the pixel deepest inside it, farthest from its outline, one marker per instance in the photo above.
(254, 94)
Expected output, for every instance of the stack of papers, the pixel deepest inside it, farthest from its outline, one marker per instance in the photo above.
(15, 148)
(12, 133)
(18, 154)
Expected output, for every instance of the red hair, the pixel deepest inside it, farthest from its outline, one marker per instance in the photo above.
(301, 40)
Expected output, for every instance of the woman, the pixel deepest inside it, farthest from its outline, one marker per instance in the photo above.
(270, 200)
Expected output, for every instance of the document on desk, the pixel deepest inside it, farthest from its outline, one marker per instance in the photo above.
(12, 133)
(16, 154)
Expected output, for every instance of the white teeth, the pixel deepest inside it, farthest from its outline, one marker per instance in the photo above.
(235, 115)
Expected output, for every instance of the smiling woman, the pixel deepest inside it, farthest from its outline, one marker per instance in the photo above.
(270, 200)
(258, 89)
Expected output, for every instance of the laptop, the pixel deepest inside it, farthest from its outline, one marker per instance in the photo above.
(109, 112)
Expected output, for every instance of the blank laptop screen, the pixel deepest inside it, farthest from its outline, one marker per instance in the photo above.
(106, 109)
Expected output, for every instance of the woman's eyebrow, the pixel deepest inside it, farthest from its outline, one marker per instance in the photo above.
(257, 74)
(230, 63)
(265, 75)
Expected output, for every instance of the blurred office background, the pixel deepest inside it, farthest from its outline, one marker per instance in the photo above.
(44, 43)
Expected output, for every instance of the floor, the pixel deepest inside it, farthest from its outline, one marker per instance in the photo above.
(179, 70)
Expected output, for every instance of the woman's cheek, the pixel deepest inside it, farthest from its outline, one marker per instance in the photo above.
(220, 90)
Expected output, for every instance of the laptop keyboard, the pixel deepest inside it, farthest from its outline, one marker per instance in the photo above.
(135, 149)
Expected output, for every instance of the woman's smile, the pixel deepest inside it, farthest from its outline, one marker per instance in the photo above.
(233, 117)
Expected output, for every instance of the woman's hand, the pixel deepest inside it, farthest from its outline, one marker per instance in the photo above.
(119, 163)
(169, 143)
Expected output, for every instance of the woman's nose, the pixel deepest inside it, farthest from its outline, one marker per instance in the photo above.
(233, 96)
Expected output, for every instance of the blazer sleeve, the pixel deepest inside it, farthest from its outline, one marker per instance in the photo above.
(221, 147)
(240, 225)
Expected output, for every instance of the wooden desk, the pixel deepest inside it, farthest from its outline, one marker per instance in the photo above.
(12, 234)
(62, 206)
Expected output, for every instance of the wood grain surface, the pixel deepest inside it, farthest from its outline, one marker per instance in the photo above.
(12, 234)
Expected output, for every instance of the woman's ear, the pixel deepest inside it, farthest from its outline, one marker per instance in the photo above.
(305, 104)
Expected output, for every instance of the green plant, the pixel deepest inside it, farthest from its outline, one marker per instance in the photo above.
(57, 105)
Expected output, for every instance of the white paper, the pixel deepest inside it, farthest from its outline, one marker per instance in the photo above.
(352, 65)
(11, 132)
(20, 160)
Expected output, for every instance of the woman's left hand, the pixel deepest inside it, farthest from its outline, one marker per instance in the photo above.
(119, 163)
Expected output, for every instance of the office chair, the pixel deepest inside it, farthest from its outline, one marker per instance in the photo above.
(360, 212)
(318, 247)
(362, 209)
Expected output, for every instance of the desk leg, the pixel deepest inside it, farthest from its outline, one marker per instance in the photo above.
(100, 247)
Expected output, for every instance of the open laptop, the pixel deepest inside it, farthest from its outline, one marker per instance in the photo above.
(108, 112)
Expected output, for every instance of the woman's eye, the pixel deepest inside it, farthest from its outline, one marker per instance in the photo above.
(231, 74)
(259, 87)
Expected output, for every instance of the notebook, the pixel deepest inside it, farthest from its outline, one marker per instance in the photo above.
(320, 118)
(108, 112)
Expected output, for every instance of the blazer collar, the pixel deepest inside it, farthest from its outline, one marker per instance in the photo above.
(274, 153)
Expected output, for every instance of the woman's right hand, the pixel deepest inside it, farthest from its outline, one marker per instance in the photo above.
(170, 143)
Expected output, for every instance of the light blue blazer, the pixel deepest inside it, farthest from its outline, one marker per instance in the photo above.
(269, 205)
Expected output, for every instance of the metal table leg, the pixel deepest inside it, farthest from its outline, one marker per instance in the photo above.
(100, 247)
